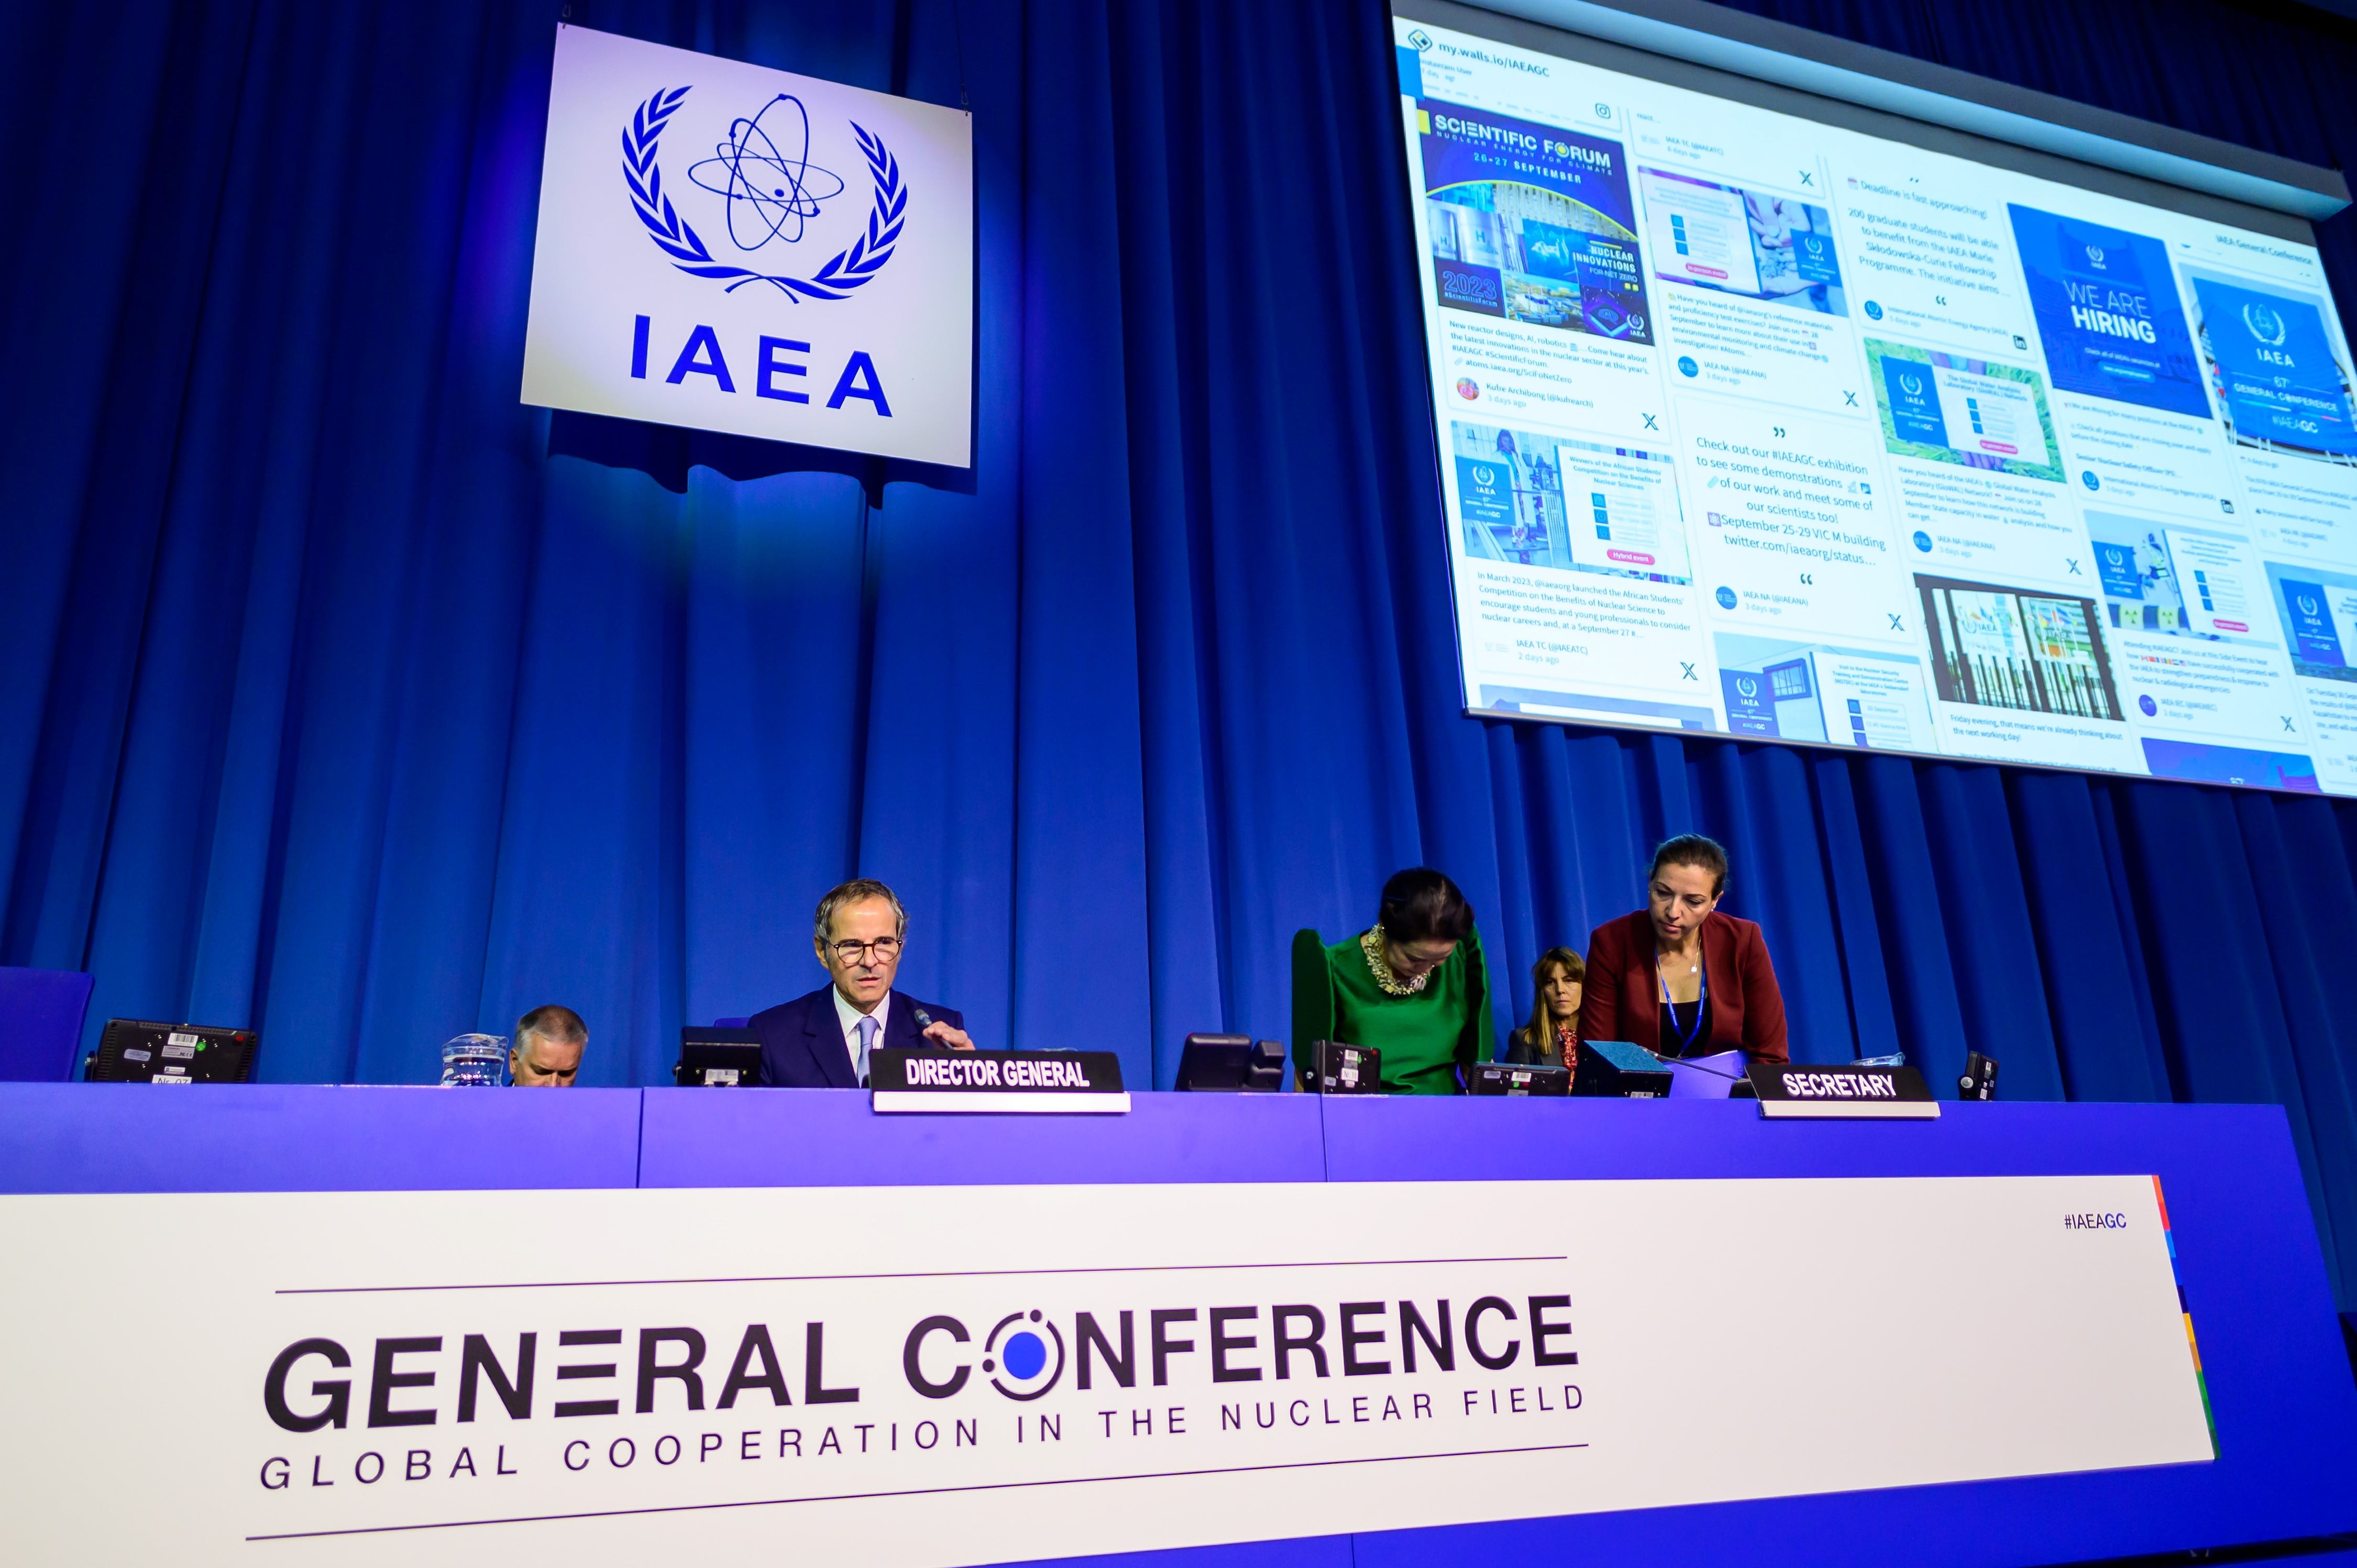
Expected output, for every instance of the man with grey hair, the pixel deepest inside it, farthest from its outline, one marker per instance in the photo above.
(549, 1042)
(824, 1040)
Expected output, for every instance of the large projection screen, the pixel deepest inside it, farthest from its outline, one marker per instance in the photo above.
(1753, 421)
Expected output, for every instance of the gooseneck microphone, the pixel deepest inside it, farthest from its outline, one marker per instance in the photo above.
(1694, 1063)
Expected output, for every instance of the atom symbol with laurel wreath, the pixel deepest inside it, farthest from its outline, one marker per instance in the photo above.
(788, 199)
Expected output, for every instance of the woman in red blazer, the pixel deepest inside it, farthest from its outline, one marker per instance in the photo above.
(1679, 978)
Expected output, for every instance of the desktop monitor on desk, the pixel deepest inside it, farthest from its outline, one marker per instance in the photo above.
(717, 1058)
(138, 1051)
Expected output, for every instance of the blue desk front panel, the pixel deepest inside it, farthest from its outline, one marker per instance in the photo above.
(268, 1137)
(828, 1137)
(2248, 1260)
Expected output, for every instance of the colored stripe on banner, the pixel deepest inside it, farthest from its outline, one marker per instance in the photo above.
(2201, 1379)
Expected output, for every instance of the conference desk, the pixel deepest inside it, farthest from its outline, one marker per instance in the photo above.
(2249, 1265)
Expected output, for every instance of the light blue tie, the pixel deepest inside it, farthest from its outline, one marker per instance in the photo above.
(867, 1044)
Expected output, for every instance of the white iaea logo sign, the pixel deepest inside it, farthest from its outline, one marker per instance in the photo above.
(726, 247)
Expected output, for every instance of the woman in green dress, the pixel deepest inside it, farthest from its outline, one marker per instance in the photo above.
(1414, 987)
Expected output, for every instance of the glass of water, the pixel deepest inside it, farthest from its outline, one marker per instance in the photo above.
(474, 1062)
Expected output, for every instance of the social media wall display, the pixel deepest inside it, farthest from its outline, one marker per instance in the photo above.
(1761, 426)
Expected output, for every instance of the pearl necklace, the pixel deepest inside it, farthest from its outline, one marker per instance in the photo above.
(1372, 944)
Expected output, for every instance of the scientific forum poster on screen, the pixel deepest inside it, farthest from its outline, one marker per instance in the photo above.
(1756, 425)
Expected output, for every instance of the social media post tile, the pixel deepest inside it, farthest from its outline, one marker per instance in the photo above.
(2318, 613)
(2301, 508)
(1794, 530)
(1965, 412)
(2118, 455)
(1751, 243)
(1959, 520)
(2333, 727)
(2277, 364)
(1741, 349)
(2189, 688)
(1802, 689)
(2004, 649)
(1512, 373)
(1927, 253)
(2109, 320)
(1531, 223)
(2188, 583)
(1567, 633)
(1749, 292)
(1528, 498)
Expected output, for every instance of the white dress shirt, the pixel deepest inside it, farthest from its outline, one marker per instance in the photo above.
(850, 1017)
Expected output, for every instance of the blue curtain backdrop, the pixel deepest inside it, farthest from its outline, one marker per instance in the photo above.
(346, 697)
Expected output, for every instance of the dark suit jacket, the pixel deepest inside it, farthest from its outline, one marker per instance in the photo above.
(803, 1044)
(1623, 1000)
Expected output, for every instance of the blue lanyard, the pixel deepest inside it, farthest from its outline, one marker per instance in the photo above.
(1686, 1036)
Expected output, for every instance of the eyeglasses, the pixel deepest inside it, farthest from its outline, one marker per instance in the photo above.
(885, 948)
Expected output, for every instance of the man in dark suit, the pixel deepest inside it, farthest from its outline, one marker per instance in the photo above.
(824, 1040)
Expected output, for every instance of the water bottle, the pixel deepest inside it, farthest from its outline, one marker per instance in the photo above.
(474, 1062)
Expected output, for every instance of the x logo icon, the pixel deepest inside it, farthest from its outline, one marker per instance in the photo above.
(1689, 670)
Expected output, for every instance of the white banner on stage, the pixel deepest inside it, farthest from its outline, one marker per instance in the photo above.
(728, 247)
(928, 1376)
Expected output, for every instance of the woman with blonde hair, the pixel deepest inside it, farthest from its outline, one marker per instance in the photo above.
(1552, 1037)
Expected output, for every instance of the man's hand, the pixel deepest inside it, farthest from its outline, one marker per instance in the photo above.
(955, 1039)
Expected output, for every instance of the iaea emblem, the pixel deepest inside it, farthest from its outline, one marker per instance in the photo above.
(771, 190)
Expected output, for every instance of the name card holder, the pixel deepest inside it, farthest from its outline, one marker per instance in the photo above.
(996, 1082)
(1798, 1091)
